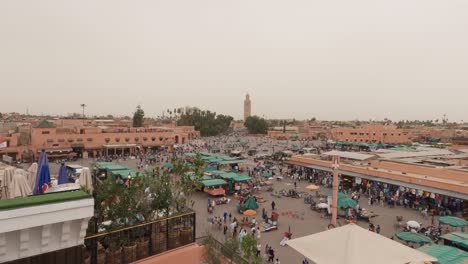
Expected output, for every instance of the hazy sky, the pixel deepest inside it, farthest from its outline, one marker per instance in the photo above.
(297, 58)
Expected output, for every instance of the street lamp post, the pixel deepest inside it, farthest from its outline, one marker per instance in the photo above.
(334, 205)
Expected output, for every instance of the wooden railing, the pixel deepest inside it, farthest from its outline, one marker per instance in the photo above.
(136, 242)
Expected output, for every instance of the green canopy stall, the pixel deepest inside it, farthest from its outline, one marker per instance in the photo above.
(445, 254)
(168, 165)
(413, 238)
(453, 221)
(249, 204)
(456, 239)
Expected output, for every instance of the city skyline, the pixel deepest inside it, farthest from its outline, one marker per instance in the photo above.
(301, 59)
(238, 115)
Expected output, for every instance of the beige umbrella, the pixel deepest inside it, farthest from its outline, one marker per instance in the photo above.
(32, 174)
(85, 179)
(249, 212)
(312, 187)
(19, 185)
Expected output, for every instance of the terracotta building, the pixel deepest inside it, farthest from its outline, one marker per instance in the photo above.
(302, 131)
(94, 141)
(373, 133)
(449, 182)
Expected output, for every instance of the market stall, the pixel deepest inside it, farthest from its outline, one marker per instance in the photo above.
(214, 187)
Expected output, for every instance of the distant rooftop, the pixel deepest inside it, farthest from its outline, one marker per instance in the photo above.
(45, 124)
(413, 154)
(349, 155)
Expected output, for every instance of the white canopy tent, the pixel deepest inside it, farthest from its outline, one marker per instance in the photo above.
(352, 244)
(85, 179)
(19, 184)
(32, 174)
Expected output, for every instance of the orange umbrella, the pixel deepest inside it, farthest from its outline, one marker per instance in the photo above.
(250, 213)
(312, 187)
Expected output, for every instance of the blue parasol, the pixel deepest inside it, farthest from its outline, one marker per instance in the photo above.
(62, 178)
(43, 173)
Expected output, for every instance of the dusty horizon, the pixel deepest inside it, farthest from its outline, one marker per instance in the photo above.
(297, 59)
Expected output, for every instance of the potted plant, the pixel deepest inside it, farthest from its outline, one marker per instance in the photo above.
(101, 254)
(142, 247)
(114, 252)
(129, 249)
(86, 256)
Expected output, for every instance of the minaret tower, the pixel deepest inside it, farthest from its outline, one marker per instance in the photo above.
(247, 107)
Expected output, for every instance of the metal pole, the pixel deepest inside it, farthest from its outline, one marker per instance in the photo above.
(334, 205)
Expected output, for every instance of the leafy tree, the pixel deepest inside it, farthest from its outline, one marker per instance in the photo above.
(256, 125)
(198, 165)
(138, 117)
(207, 122)
(211, 253)
(182, 189)
(249, 247)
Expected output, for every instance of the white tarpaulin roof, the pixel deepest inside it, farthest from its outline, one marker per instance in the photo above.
(413, 154)
(19, 185)
(349, 155)
(352, 244)
(85, 179)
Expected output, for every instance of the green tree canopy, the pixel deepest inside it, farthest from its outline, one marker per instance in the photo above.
(256, 125)
(249, 247)
(207, 122)
(138, 117)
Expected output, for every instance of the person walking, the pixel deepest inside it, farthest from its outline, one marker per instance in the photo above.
(273, 204)
(378, 229)
(271, 255)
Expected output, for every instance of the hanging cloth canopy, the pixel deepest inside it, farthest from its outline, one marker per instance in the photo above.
(86, 180)
(43, 174)
(32, 174)
(62, 178)
(8, 178)
(19, 186)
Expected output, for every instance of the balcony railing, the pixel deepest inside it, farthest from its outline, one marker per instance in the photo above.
(227, 253)
(137, 242)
